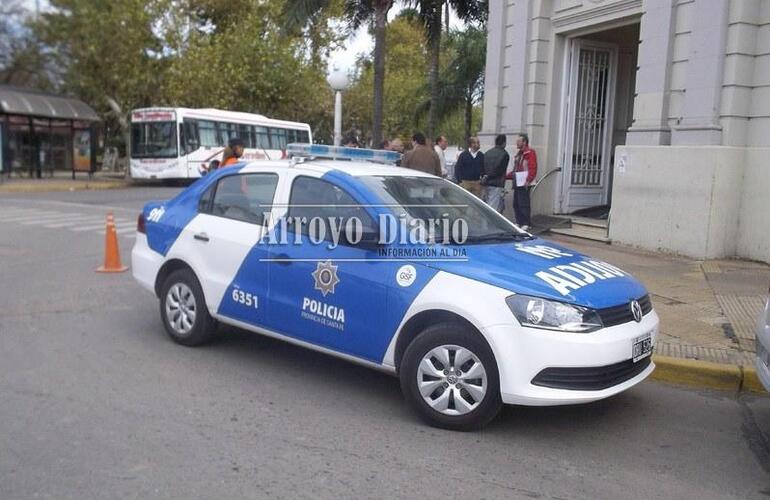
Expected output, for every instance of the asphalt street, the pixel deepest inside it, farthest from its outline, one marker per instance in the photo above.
(96, 402)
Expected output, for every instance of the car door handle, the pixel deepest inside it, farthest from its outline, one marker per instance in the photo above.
(201, 236)
(282, 259)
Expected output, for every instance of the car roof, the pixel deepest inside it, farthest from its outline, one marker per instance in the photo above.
(354, 168)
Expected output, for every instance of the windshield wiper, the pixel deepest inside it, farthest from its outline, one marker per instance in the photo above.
(500, 236)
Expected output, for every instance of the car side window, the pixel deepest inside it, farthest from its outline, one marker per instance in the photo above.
(311, 197)
(244, 197)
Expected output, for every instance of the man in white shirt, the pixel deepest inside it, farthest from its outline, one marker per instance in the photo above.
(439, 146)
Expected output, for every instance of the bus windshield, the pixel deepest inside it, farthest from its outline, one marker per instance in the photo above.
(153, 140)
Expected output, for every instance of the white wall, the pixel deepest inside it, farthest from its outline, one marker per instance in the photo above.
(701, 201)
(754, 219)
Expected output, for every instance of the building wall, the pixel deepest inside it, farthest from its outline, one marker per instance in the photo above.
(702, 201)
(753, 221)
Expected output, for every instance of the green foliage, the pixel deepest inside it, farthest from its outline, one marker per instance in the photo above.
(407, 93)
(403, 87)
(106, 49)
(241, 55)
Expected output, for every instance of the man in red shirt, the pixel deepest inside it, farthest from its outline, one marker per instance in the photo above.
(525, 161)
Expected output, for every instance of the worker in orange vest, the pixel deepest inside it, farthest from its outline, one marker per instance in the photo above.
(232, 153)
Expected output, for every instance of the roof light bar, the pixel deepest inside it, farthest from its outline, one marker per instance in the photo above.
(342, 153)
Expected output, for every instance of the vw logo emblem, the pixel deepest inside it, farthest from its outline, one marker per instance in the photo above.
(636, 310)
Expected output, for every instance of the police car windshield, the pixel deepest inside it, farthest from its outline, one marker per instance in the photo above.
(432, 199)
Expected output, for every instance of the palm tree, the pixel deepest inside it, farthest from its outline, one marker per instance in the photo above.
(461, 83)
(431, 17)
(299, 13)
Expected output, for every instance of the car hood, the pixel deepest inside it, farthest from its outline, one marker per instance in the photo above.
(544, 269)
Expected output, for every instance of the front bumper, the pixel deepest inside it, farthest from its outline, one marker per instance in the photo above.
(522, 353)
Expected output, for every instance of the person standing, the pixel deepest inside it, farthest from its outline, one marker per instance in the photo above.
(422, 157)
(439, 146)
(470, 166)
(232, 152)
(493, 178)
(524, 161)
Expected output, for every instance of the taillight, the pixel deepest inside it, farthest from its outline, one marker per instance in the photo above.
(140, 225)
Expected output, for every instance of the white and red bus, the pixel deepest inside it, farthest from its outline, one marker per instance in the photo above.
(180, 143)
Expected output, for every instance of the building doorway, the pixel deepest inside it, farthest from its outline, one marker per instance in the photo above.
(599, 98)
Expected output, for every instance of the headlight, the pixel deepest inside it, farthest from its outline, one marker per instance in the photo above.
(551, 315)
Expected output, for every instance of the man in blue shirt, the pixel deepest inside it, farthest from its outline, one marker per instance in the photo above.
(470, 166)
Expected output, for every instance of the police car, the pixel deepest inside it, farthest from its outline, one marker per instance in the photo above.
(490, 316)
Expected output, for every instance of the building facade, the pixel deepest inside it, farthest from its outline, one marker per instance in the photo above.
(658, 109)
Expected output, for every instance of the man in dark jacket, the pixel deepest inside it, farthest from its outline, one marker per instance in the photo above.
(495, 165)
(422, 157)
(470, 166)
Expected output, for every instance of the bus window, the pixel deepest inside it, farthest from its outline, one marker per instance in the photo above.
(263, 139)
(153, 140)
(245, 134)
(188, 136)
(224, 132)
(278, 138)
(303, 136)
(207, 134)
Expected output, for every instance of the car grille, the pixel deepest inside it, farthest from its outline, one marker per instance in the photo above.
(617, 315)
(591, 378)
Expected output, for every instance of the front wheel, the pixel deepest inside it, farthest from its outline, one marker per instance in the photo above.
(449, 376)
(183, 309)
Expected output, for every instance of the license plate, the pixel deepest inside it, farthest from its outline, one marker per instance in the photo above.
(642, 347)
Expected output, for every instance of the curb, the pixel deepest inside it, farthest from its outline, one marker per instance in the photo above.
(62, 186)
(706, 375)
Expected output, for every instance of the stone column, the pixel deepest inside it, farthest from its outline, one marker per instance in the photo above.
(699, 123)
(493, 75)
(505, 96)
(650, 126)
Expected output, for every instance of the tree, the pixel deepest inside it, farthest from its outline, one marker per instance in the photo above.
(106, 49)
(23, 61)
(461, 82)
(357, 13)
(431, 18)
(403, 86)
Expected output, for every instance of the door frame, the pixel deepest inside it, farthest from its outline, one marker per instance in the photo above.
(567, 119)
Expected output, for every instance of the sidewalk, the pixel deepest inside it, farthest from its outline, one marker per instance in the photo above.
(708, 310)
(62, 181)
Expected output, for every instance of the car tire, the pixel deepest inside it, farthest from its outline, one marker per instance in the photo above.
(449, 377)
(183, 309)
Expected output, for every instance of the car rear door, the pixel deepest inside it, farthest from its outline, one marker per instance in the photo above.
(227, 238)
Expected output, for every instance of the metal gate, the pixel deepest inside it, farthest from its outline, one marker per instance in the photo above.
(588, 127)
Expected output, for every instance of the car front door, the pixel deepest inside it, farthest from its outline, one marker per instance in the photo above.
(331, 297)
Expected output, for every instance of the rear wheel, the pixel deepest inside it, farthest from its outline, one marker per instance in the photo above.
(183, 309)
(449, 376)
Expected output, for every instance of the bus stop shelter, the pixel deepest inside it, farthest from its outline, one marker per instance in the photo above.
(42, 132)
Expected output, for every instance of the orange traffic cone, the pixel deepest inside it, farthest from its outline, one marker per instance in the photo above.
(111, 252)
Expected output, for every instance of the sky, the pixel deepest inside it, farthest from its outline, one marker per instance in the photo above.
(345, 58)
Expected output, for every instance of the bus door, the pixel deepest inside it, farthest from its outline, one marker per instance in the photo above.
(192, 156)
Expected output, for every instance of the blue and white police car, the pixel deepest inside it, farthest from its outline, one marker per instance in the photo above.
(491, 315)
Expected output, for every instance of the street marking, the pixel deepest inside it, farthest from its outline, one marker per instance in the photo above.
(67, 223)
(29, 217)
(50, 219)
(78, 220)
(14, 212)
